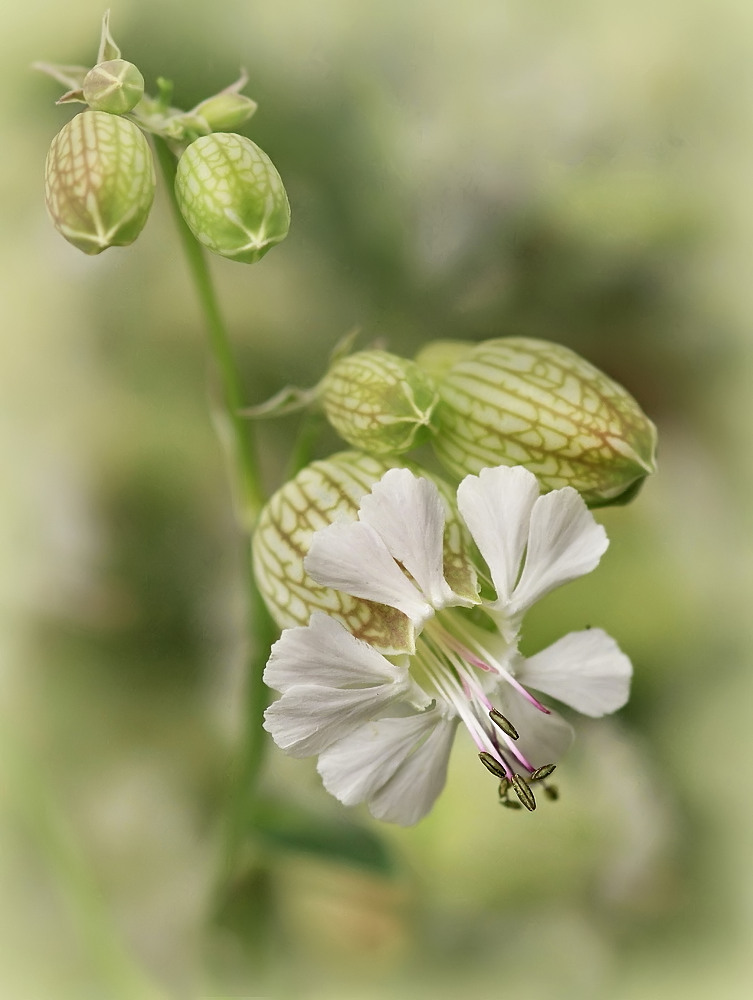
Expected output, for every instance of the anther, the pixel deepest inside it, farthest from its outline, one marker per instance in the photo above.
(523, 791)
(542, 772)
(504, 724)
(492, 764)
(504, 795)
(551, 792)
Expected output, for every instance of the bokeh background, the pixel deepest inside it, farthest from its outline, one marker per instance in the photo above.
(576, 171)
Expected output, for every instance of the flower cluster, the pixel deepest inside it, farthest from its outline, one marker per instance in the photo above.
(99, 175)
(400, 595)
(382, 721)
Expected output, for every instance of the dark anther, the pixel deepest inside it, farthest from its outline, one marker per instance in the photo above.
(551, 792)
(523, 791)
(542, 772)
(504, 724)
(504, 795)
(492, 764)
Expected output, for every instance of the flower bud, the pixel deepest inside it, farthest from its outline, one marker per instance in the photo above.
(379, 402)
(519, 401)
(231, 196)
(323, 492)
(225, 111)
(438, 356)
(115, 86)
(99, 181)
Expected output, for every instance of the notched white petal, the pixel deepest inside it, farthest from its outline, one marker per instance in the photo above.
(308, 719)
(564, 542)
(415, 786)
(585, 670)
(408, 514)
(496, 505)
(364, 765)
(325, 653)
(331, 683)
(353, 558)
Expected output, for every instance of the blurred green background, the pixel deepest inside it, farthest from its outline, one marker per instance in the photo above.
(577, 171)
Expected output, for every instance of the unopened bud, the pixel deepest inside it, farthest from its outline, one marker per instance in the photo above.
(115, 86)
(519, 401)
(232, 196)
(379, 402)
(438, 356)
(322, 493)
(99, 181)
(224, 112)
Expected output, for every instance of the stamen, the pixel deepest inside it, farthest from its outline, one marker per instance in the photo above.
(524, 793)
(520, 757)
(448, 663)
(492, 764)
(542, 772)
(491, 664)
(504, 724)
(456, 684)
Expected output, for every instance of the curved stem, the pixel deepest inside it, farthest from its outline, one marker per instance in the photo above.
(308, 433)
(244, 470)
(233, 429)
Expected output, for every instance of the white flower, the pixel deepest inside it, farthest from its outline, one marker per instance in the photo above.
(382, 726)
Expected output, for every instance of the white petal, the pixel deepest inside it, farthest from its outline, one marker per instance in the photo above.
(543, 738)
(360, 767)
(331, 683)
(353, 558)
(307, 718)
(408, 515)
(496, 505)
(586, 670)
(409, 795)
(324, 652)
(564, 542)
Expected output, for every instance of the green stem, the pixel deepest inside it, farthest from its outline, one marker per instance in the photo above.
(244, 469)
(308, 433)
(244, 462)
(241, 807)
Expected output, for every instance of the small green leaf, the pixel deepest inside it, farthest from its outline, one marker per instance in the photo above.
(71, 77)
(289, 399)
(108, 48)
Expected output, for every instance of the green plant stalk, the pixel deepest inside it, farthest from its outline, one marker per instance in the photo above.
(244, 462)
(310, 429)
(242, 459)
